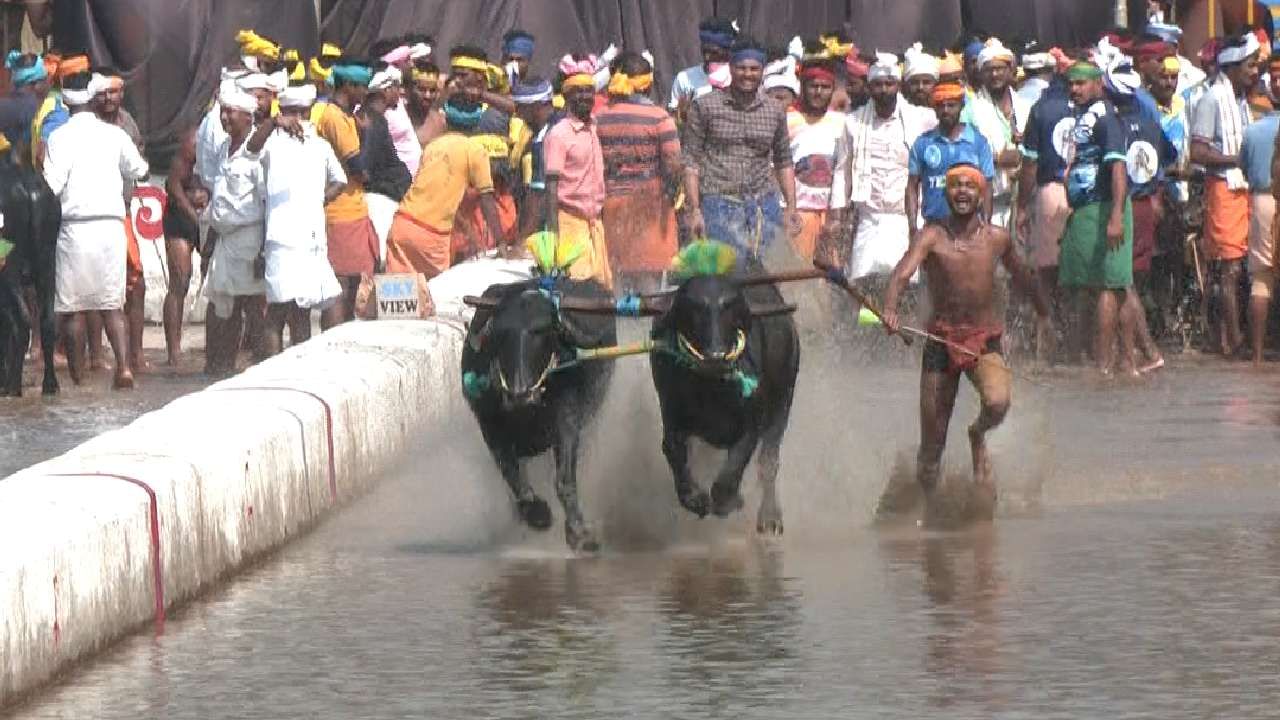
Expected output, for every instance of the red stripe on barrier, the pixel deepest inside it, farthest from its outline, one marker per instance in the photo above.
(157, 565)
(328, 420)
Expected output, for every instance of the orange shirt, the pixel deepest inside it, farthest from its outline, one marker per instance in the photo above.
(450, 165)
(339, 128)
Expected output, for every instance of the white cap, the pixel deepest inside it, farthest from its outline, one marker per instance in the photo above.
(238, 99)
(385, 78)
(254, 81)
(298, 96)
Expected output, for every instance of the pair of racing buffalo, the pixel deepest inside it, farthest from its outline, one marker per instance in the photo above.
(725, 356)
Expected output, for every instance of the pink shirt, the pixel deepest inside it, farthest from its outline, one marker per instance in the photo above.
(572, 152)
(403, 137)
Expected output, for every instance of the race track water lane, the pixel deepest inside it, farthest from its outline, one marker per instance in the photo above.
(1132, 572)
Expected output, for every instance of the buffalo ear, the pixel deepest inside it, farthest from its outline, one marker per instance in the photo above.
(772, 310)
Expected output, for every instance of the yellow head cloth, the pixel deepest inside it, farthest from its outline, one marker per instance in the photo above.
(254, 45)
(834, 47)
(1172, 64)
(329, 51)
(469, 63)
(5, 145)
(623, 84)
(318, 72)
(429, 75)
(580, 80)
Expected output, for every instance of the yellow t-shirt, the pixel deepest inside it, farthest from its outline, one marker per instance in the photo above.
(450, 164)
(339, 129)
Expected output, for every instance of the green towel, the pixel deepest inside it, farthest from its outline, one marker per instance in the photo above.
(6, 247)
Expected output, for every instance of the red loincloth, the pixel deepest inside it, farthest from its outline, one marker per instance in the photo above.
(961, 337)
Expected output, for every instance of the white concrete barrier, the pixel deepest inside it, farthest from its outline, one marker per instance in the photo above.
(100, 541)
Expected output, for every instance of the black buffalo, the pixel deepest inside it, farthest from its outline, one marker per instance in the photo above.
(32, 216)
(529, 396)
(727, 375)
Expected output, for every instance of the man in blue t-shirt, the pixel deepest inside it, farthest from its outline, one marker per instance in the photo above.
(1042, 194)
(1148, 152)
(936, 151)
(1257, 153)
(1097, 246)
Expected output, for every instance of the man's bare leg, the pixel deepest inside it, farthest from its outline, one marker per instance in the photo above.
(114, 323)
(992, 380)
(344, 309)
(73, 337)
(1108, 312)
(1134, 316)
(937, 401)
(178, 252)
(273, 332)
(299, 325)
(1231, 336)
(93, 329)
(134, 307)
(255, 318)
(1258, 307)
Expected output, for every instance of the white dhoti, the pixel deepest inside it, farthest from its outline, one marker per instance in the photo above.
(231, 268)
(300, 275)
(880, 242)
(382, 210)
(90, 271)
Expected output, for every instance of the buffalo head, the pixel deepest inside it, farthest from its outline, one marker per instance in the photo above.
(523, 339)
(709, 319)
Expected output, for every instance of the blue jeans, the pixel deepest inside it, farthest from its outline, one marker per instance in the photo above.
(749, 223)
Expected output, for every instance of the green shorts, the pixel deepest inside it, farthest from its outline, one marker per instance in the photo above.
(1085, 260)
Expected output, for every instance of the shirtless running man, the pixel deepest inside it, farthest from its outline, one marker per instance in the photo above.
(959, 257)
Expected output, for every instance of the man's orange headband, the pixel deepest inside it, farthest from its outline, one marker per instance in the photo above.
(73, 65)
(958, 172)
(946, 92)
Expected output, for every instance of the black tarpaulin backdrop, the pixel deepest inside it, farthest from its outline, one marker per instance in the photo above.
(171, 50)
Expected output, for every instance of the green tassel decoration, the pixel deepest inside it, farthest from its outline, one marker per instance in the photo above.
(704, 257)
(474, 384)
(552, 255)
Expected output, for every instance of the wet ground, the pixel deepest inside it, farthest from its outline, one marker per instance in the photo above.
(35, 428)
(1132, 571)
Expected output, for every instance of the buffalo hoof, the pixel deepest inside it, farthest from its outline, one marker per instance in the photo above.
(769, 523)
(724, 501)
(535, 513)
(50, 387)
(696, 502)
(581, 540)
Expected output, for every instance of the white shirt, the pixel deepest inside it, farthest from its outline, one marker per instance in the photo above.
(986, 116)
(813, 150)
(404, 137)
(238, 193)
(296, 174)
(871, 156)
(86, 164)
(209, 137)
(690, 83)
(1031, 90)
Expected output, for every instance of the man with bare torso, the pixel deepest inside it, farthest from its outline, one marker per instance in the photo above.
(959, 257)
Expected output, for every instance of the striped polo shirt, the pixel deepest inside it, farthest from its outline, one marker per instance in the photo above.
(634, 135)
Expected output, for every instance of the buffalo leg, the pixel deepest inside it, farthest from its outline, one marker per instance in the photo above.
(675, 446)
(15, 333)
(575, 529)
(48, 325)
(533, 510)
(769, 517)
(725, 495)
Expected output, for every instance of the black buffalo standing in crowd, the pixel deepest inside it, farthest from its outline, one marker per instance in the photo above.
(528, 394)
(32, 216)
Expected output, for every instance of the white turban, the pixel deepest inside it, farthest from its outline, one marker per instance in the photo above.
(298, 96)
(781, 67)
(1117, 69)
(77, 97)
(795, 48)
(254, 81)
(98, 84)
(786, 79)
(919, 62)
(238, 99)
(886, 66)
(994, 50)
(419, 51)
(1235, 54)
(384, 79)
(278, 81)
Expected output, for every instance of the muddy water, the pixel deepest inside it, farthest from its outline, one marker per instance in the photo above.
(1133, 571)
